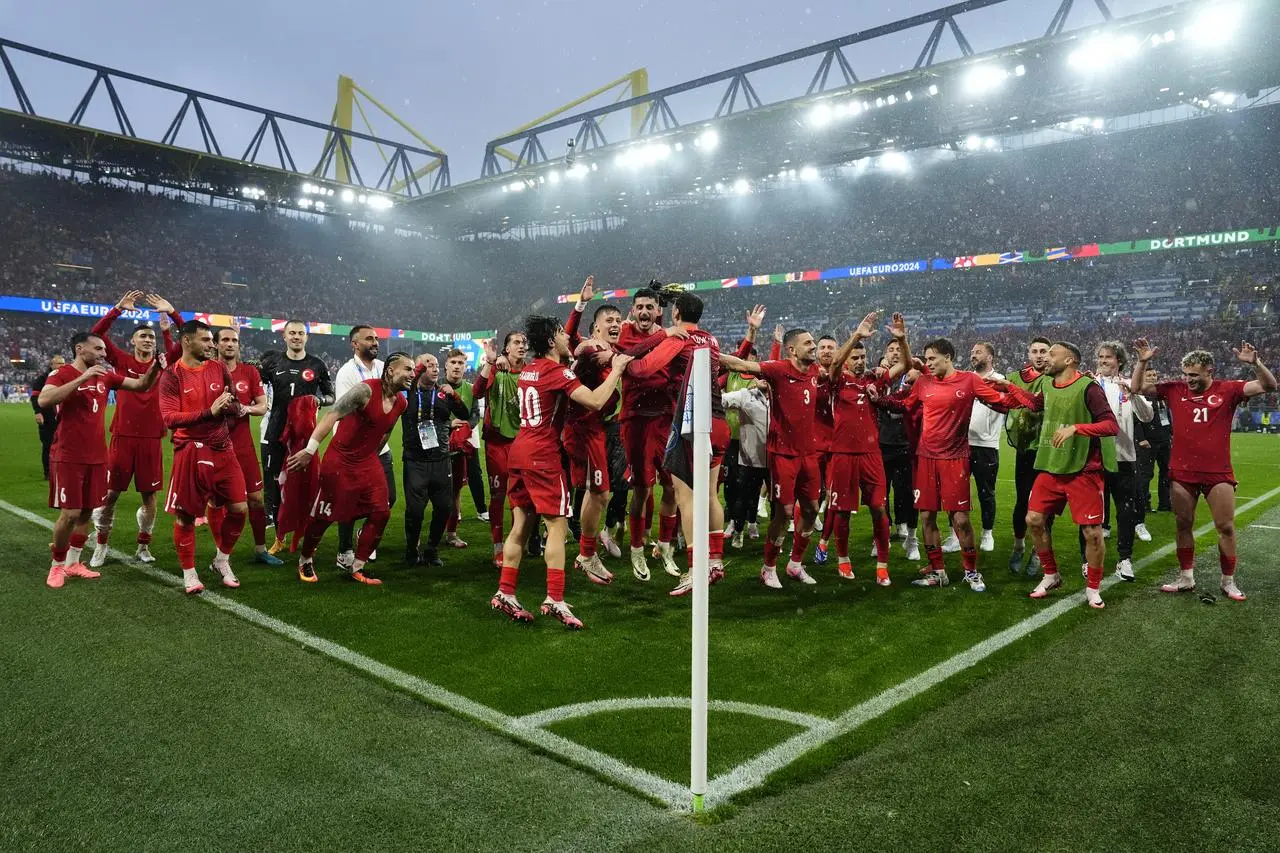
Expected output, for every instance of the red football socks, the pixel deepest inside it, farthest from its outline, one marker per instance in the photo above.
(214, 516)
(842, 536)
(1048, 562)
(507, 580)
(587, 546)
(555, 584)
(880, 527)
(1187, 559)
(799, 544)
(258, 523)
(1094, 577)
(232, 527)
(667, 527)
(771, 551)
(969, 559)
(636, 528)
(1228, 564)
(184, 542)
(935, 559)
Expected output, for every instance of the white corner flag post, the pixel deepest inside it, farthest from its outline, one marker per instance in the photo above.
(700, 387)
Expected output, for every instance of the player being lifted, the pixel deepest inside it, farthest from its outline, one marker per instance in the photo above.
(198, 402)
(1202, 408)
(353, 485)
(537, 486)
(1075, 449)
(136, 429)
(945, 398)
(78, 458)
(674, 356)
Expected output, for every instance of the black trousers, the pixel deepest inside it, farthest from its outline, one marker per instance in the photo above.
(1024, 478)
(475, 482)
(984, 466)
(272, 464)
(1121, 488)
(426, 483)
(46, 442)
(732, 474)
(346, 532)
(748, 495)
(617, 511)
(1148, 459)
(898, 462)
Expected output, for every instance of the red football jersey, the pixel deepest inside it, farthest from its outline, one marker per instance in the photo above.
(652, 395)
(361, 434)
(1201, 425)
(591, 373)
(823, 416)
(544, 389)
(857, 421)
(246, 384)
(946, 405)
(81, 417)
(186, 397)
(793, 403)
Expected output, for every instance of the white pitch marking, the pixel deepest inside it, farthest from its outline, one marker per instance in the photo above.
(1266, 526)
(753, 773)
(604, 706)
(663, 790)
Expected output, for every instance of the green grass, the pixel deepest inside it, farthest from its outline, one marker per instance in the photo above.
(138, 719)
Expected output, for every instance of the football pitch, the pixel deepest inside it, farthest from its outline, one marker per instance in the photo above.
(284, 716)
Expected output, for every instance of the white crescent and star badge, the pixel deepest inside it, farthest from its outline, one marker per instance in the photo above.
(308, 375)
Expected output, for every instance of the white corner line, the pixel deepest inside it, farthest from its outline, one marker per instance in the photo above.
(753, 773)
(649, 784)
(550, 716)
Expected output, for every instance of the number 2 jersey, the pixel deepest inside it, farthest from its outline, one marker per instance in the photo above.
(1201, 426)
(543, 391)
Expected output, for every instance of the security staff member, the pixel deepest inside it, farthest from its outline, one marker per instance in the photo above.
(428, 470)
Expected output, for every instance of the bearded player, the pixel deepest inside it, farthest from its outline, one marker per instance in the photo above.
(1202, 408)
(353, 485)
(198, 402)
(496, 383)
(1022, 429)
(136, 429)
(537, 486)
(78, 458)
(246, 382)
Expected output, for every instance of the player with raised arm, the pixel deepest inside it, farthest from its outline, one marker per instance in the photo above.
(538, 486)
(198, 403)
(496, 383)
(293, 373)
(1022, 430)
(793, 464)
(945, 397)
(1075, 449)
(856, 468)
(584, 432)
(352, 483)
(824, 425)
(675, 357)
(246, 383)
(135, 453)
(985, 426)
(78, 458)
(1202, 407)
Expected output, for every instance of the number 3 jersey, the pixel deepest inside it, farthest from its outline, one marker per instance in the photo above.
(543, 391)
(1201, 425)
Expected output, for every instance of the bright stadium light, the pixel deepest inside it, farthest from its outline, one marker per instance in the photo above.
(808, 173)
(742, 186)
(709, 139)
(1216, 25)
(380, 202)
(679, 146)
(320, 206)
(554, 178)
(348, 196)
(1097, 124)
(516, 186)
(908, 95)
(894, 161)
(973, 143)
(984, 78)
(933, 90)
(1103, 51)
(1020, 71)
(1226, 99)
(820, 116)
(578, 172)
(308, 189)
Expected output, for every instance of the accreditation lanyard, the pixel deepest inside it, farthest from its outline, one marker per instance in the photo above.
(427, 429)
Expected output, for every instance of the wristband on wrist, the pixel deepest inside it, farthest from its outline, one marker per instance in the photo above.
(312, 446)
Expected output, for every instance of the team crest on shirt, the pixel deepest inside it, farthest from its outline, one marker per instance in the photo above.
(214, 386)
(1214, 400)
(568, 374)
(242, 387)
(960, 394)
(308, 375)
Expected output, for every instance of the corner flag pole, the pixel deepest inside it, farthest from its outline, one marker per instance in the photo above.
(700, 384)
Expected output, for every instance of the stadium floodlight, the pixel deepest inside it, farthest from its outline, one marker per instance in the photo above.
(933, 89)
(1020, 71)
(908, 95)
(554, 177)
(879, 102)
(742, 186)
(984, 78)
(679, 146)
(304, 203)
(1226, 99)
(1097, 124)
(808, 173)
(973, 143)
(992, 143)
(709, 139)
(320, 206)
(348, 196)
(1103, 51)
(894, 161)
(1216, 25)
(308, 189)
(891, 100)
(719, 186)
(516, 186)
(820, 116)
(578, 172)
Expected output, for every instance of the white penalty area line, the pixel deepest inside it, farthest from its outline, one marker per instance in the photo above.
(1265, 526)
(753, 773)
(649, 784)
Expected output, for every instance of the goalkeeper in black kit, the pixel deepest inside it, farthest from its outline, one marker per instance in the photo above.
(289, 374)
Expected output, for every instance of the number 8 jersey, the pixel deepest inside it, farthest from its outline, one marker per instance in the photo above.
(542, 391)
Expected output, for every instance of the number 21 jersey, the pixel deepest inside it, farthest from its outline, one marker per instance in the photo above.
(1201, 425)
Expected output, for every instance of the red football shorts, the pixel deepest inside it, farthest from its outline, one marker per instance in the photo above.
(644, 438)
(794, 477)
(495, 463)
(540, 490)
(942, 485)
(854, 474)
(202, 476)
(75, 485)
(458, 466)
(349, 491)
(138, 459)
(588, 457)
(1200, 482)
(247, 456)
(1084, 491)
